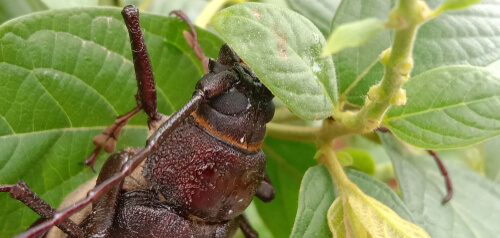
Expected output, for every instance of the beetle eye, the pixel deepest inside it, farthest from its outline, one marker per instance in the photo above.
(230, 103)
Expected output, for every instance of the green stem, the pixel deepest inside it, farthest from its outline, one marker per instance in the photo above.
(406, 20)
(290, 132)
(333, 165)
(209, 11)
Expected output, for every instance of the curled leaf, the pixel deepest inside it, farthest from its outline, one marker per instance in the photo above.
(353, 35)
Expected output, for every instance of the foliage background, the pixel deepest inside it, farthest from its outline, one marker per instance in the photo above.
(29, 50)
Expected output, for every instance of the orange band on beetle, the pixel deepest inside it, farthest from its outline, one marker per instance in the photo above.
(224, 136)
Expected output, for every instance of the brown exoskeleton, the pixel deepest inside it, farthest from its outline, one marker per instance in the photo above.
(200, 167)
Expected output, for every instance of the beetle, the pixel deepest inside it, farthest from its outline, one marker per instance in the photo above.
(200, 167)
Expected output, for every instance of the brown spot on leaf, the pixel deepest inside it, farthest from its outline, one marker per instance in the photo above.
(281, 41)
(256, 14)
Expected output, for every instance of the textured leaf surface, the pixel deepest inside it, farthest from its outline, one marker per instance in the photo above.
(283, 48)
(474, 210)
(66, 75)
(448, 107)
(320, 12)
(316, 196)
(353, 34)
(287, 162)
(318, 193)
(465, 37)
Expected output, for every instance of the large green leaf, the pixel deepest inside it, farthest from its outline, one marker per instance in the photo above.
(351, 63)
(287, 161)
(283, 48)
(448, 107)
(464, 37)
(66, 75)
(468, 36)
(318, 193)
(474, 210)
(320, 12)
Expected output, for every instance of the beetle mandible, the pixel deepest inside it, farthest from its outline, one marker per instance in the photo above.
(200, 167)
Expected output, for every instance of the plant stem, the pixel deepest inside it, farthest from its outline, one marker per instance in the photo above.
(405, 19)
(290, 132)
(333, 165)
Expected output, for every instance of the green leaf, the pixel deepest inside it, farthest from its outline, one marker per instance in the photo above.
(474, 210)
(59, 4)
(353, 35)
(287, 161)
(317, 194)
(352, 62)
(360, 160)
(465, 37)
(66, 75)
(448, 107)
(13, 9)
(455, 4)
(492, 159)
(192, 8)
(283, 48)
(320, 12)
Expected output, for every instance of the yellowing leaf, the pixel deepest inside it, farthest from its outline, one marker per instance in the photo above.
(367, 217)
(335, 217)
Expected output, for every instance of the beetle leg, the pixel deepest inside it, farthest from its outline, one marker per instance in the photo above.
(246, 228)
(142, 65)
(146, 89)
(192, 39)
(107, 139)
(101, 218)
(23, 193)
(265, 192)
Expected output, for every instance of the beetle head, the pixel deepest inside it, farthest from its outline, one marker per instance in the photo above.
(240, 113)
